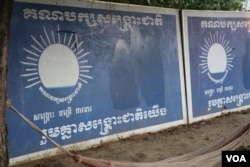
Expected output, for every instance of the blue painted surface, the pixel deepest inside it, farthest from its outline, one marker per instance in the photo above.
(219, 63)
(79, 80)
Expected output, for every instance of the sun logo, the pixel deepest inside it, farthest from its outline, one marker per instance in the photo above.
(216, 58)
(55, 60)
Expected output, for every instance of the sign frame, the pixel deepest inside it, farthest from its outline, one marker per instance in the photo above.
(179, 118)
(195, 78)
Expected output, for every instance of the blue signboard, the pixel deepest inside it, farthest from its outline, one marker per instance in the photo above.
(82, 72)
(217, 63)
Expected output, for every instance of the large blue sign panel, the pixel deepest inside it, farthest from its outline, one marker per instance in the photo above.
(217, 46)
(85, 72)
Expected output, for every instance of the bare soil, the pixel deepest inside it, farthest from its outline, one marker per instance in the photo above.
(157, 146)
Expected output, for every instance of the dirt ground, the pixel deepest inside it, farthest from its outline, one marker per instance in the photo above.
(158, 146)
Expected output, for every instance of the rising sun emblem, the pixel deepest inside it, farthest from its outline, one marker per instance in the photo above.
(55, 60)
(216, 58)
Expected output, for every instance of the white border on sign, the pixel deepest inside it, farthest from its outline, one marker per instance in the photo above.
(196, 13)
(104, 5)
(98, 141)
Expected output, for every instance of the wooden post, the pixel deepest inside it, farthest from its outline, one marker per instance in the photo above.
(5, 10)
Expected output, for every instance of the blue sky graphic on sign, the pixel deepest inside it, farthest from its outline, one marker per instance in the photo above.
(216, 72)
(85, 73)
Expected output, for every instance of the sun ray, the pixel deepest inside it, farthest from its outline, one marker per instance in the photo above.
(223, 41)
(206, 47)
(70, 38)
(58, 34)
(75, 49)
(74, 43)
(31, 69)
(204, 54)
(83, 80)
(220, 39)
(79, 52)
(34, 47)
(86, 76)
(32, 79)
(203, 57)
(46, 34)
(210, 42)
(203, 64)
(64, 38)
(30, 58)
(204, 67)
(45, 44)
(80, 44)
(73, 46)
(205, 50)
(228, 50)
(53, 36)
(84, 61)
(31, 85)
(207, 43)
(211, 38)
(226, 44)
(76, 40)
(214, 38)
(30, 52)
(38, 43)
(27, 63)
(230, 66)
(84, 70)
(86, 66)
(217, 37)
(204, 70)
(85, 54)
(30, 74)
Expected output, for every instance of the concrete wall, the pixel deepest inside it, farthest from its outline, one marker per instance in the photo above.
(216, 78)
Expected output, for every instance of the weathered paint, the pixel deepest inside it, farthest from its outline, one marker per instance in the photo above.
(216, 47)
(88, 73)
